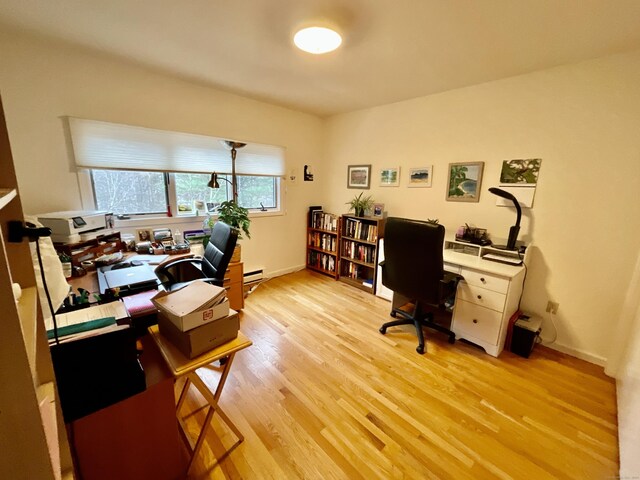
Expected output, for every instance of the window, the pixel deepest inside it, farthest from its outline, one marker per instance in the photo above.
(130, 192)
(142, 171)
(149, 193)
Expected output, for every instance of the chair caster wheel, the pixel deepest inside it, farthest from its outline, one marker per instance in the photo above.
(393, 314)
(452, 340)
(382, 330)
(420, 349)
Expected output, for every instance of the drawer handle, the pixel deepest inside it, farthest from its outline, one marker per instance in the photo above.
(475, 320)
(479, 297)
(483, 280)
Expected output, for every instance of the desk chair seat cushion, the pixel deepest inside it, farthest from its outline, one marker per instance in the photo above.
(210, 268)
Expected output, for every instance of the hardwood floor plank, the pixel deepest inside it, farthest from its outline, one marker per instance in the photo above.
(322, 394)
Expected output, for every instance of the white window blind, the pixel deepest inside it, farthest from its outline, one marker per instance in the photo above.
(114, 146)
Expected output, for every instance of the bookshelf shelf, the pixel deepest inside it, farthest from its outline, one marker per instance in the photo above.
(359, 250)
(322, 243)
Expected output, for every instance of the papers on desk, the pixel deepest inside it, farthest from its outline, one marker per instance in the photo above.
(87, 319)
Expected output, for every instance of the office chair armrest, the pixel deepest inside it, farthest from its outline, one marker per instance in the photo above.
(448, 284)
(164, 270)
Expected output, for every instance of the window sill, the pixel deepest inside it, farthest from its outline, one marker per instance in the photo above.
(185, 219)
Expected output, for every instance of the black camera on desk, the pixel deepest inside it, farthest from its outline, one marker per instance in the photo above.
(477, 236)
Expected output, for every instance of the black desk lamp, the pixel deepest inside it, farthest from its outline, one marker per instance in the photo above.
(513, 231)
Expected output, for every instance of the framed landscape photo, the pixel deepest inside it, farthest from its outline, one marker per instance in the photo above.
(359, 176)
(420, 176)
(465, 180)
(390, 177)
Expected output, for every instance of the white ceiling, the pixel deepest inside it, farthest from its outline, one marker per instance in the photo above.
(393, 49)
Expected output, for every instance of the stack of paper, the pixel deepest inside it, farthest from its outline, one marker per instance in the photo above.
(86, 319)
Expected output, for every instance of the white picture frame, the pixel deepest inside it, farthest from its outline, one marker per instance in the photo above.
(390, 177)
(420, 177)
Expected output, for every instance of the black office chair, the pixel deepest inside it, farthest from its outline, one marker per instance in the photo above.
(211, 268)
(413, 269)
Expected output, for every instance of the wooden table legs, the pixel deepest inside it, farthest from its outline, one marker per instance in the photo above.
(212, 400)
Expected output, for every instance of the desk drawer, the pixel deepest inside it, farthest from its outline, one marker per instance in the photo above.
(484, 280)
(481, 296)
(233, 273)
(479, 322)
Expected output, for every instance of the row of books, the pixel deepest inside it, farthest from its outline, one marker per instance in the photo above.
(359, 230)
(325, 221)
(357, 251)
(324, 241)
(357, 272)
(322, 260)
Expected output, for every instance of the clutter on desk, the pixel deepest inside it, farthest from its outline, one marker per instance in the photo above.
(67, 270)
(477, 236)
(87, 250)
(108, 259)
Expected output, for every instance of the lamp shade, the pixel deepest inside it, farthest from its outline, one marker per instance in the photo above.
(515, 229)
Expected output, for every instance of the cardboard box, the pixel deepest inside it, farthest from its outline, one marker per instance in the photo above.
(192, 306)
(200, 339)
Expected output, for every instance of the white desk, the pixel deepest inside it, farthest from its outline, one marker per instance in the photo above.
(486, 298)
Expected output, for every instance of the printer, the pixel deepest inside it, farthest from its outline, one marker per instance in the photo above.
(75, 226)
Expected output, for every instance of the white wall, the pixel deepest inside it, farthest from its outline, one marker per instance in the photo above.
(583, 121)
(624, 364)
(42, 81)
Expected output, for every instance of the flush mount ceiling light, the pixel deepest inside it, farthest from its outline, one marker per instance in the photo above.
(317, 40)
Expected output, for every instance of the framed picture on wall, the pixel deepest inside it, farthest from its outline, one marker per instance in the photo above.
(465, 180)
(390, 177)
(359, 176)
(420, 176)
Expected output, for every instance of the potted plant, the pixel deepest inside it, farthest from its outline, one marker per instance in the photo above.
(360, 204)
(236, 217)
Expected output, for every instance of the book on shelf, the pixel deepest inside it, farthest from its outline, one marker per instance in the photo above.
(324, 221)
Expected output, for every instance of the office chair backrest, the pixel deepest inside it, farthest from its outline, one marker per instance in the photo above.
(218, 251)
(413, 263)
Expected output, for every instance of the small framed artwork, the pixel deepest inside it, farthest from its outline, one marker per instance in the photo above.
(420, 176)
(378, 210)
(144, 235)
(390, 177)
(359, 176)
(465, 180)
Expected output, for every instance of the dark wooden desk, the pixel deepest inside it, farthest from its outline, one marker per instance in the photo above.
(137, 437)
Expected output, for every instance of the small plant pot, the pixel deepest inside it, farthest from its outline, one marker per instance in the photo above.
(237, 254)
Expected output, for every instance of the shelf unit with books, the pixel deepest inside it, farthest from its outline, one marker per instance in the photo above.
(322, 243)
(359, 250)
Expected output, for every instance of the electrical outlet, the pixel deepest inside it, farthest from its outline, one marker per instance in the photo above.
(552, 307)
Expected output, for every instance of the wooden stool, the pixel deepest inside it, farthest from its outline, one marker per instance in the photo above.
(183, 366)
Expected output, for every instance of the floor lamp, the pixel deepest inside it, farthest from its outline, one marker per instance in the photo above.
(213, 183)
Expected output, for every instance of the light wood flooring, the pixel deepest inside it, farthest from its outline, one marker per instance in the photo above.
(322, 395)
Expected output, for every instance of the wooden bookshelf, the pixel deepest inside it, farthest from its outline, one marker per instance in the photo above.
(322, 243)
(32, 430)
(359, 250)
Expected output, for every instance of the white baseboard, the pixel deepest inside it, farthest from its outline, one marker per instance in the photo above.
(284, 271)
(581, 354)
